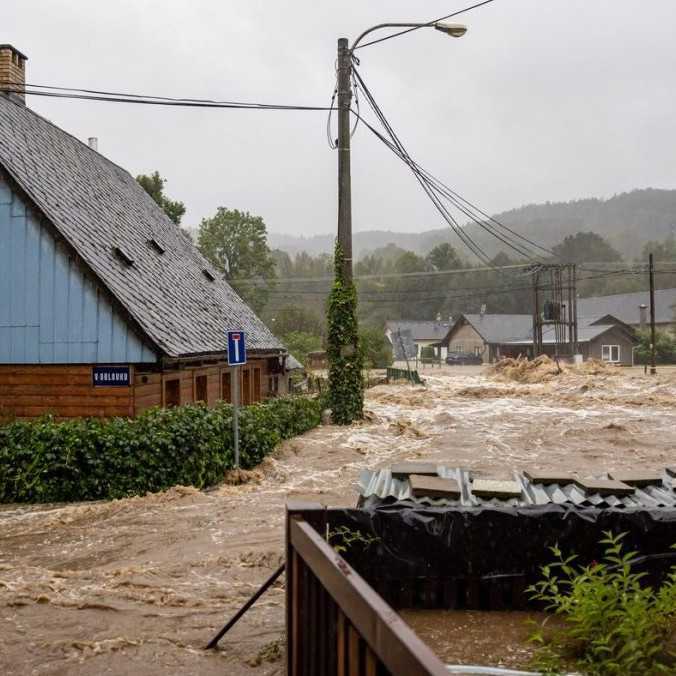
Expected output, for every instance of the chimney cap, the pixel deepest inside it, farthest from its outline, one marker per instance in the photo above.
(15, 50)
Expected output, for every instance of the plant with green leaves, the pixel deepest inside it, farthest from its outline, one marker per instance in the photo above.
(92, 459)
(346, 394)
(613, 625)
(346, 538)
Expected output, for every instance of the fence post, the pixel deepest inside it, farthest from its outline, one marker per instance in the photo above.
(314, 514)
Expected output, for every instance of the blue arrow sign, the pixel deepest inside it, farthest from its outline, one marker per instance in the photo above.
(236, 348)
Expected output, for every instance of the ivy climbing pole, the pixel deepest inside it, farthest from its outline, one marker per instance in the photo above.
(346, 394)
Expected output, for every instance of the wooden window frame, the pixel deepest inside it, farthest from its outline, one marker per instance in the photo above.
(610, 348)
(195, 397)
(165, 384)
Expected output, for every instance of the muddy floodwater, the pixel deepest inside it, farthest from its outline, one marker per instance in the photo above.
(495, 638)
(138, 586)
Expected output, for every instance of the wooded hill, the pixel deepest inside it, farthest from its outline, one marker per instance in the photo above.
(627, 221)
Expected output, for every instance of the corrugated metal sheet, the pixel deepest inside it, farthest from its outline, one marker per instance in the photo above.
(382, 484)
(49, 312)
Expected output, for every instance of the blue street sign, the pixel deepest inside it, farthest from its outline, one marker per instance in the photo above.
(236, 348)
(111, 376)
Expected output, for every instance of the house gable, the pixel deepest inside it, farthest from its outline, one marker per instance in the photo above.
(51, 311)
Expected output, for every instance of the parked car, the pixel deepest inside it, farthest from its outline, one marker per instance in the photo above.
(462, 359)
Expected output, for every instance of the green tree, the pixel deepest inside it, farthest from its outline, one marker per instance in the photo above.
(444, 257)
(235, 242)
(300, 344)
(665, 347)
(296, 318)
(410, 262)
(376, 349)
(662, 251)
(586, 247)
(154, 186)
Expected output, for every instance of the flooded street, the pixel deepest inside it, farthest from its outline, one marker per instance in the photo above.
(138, 586)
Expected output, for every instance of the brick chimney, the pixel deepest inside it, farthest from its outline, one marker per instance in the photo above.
(12, 72)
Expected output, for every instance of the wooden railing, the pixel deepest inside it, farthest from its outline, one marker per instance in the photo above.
(336, 623)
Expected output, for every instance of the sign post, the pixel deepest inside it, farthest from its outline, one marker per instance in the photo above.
(236, 358)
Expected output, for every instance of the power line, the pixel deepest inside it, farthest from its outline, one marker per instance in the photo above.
(141, 99)
(429, 23)
(436, 190)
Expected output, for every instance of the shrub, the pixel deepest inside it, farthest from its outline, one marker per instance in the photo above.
(91, 459)
(665, 347)
(613, 625)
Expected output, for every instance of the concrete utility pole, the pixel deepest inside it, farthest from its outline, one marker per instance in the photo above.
(651, 270)
(344, 177)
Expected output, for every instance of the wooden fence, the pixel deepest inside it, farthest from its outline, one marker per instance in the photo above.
(336, 623)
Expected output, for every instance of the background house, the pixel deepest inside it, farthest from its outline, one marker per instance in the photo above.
(632, 308)
(423, 334)
(482, 334)
(106, 308)
(613, 343)
(496, 336)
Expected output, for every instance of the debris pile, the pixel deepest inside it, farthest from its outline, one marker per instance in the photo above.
(543, 369)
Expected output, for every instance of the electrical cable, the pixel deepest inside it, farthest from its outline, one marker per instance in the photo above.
(432, 185)
(155, 101)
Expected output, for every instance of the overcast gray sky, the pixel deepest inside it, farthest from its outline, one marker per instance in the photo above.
(541, 100)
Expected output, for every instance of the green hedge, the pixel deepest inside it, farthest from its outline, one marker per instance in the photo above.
(91, 459)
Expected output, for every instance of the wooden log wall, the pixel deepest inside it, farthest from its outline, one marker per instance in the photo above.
(64, 391)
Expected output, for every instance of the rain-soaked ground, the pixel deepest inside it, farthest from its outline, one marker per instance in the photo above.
(138, 586)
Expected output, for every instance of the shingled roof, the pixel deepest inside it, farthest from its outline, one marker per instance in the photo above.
(97, 207)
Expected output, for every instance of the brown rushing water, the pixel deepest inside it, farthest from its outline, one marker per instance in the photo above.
(489, 638)
(138, 586)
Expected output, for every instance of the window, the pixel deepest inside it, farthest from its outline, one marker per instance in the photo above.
(273, 385)
(477, 351)
(201, 389)
(172, 392)
(246, 387)
(226, 391)
(256, 385)
(610, 353)
(458, 347)
(123, 255)
(155, 244)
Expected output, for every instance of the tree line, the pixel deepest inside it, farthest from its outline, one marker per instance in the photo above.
(289, 291)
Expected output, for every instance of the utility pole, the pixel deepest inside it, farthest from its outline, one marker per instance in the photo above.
(344, 178)
(651, 269)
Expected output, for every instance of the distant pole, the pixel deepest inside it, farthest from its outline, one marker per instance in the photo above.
(235, 414)
(651, 268)
(344, 177)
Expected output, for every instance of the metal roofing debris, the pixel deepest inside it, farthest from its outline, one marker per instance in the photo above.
(637, 478)
(401, 470)
(489, 488)
(382, 484)
(434, 487)
(549, 478)
(605, 486)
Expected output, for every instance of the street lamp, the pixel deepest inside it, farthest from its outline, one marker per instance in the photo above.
(345, 53)
(345, 361)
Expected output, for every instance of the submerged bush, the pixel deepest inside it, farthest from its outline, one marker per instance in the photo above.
(90, 459)
(613, 625)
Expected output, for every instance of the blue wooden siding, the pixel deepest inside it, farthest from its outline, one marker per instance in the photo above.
(50, 313)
